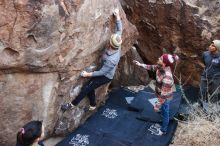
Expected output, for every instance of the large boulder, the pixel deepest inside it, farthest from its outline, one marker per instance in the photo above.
(44, 45)
(184, 26)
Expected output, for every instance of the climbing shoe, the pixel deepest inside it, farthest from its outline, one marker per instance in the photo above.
(67, 106)
(159, 132)
(91, 108)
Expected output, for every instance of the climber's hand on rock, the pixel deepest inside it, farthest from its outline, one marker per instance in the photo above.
(116, 12)
(86, 74)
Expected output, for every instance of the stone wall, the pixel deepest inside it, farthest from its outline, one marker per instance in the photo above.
(185, 27)
(43, 49)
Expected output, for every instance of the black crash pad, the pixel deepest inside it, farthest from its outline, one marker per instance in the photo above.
(114, 125)
(143, 105)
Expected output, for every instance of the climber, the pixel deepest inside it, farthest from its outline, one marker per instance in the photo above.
(164, 83)
(110, 60)
(210, 78)
(31, 134)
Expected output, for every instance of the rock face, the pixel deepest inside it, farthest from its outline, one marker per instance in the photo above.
(26, 96)
(186, 27)
(44, 45)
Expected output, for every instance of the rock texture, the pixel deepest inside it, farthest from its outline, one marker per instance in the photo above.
(186, 27)
(26, 96)
(128, 74)
(44, 45)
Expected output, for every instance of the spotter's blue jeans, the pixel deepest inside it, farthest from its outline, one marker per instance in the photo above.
(166, 115)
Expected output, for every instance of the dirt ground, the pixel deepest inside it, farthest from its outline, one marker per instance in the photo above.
(199, 132)
(53, 141)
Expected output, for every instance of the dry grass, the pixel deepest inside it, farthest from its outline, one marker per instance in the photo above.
(202, 128)
(198, 132)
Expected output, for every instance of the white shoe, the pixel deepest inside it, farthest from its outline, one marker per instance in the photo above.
(159, 133)
(91, 108)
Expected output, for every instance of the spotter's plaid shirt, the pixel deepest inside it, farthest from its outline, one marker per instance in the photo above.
(164, 81)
